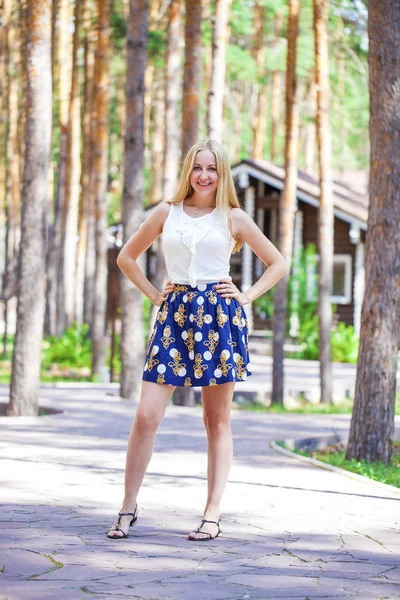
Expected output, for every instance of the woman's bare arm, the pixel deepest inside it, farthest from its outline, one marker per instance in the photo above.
(245, 228)
(138, 243)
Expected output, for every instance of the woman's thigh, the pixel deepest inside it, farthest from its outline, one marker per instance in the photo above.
(217, 402)
(153, 402)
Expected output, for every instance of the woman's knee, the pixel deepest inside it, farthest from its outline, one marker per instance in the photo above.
(147, 419)
(216, 424)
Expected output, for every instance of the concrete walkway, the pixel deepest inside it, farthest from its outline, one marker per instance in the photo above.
(290, 530)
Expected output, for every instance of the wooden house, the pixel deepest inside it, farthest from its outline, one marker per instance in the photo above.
(259, 184)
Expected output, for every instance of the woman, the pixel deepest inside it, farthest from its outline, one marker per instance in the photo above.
(200, 333)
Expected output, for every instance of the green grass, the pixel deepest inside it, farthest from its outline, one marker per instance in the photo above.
(378, 471)
(345, 407)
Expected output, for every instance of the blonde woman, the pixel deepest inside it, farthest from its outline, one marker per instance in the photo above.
(200, 332)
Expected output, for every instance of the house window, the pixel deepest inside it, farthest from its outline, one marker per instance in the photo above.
(342, 278)
(341, 293)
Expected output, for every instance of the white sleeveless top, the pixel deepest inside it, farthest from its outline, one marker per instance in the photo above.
(196, 250)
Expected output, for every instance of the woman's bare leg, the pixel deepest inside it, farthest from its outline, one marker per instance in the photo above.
(150, 412)
(217, 404)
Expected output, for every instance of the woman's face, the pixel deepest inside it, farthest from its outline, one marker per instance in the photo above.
(204, 175)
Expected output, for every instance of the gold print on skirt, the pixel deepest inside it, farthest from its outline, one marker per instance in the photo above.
(163, 314)
(221, 316)
(177, 289)
(191, 295)
(152, 362)
(160, 378)
(188, 383)
(237, 319)
(199, 318)
(224, 366)
(212, 296)
(177, 366)
(212, 341)
(198, 367)
(167, 339)
(189, 341)
(240, 369)
(180, 316)
(212, 382)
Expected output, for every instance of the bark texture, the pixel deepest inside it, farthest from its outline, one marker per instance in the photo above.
(172, 94)
(132, 341)
(191, 74)
(25, 378)
(288, 202)
(372, 424)
(100, 172)
(325, 237)
(216, 93)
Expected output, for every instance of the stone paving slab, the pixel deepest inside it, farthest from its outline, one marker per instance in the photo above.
(289, 529)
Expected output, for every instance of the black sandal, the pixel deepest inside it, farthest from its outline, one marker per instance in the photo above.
(116, 527)
(198, 530)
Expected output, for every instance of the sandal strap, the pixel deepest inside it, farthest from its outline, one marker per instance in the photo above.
(201, 525)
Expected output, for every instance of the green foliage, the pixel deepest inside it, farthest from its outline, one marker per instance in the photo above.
(72, 349)
(378, 471)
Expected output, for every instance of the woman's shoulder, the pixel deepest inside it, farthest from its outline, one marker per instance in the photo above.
(239, 219)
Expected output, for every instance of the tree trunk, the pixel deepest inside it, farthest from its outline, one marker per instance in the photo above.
(154, 9)
(132, 342)
(157, 140)
(72, 178)
(191, 74)
(326, 197)
(172, 95)
(100, 172)
(86, 163)
(90, 260)
(13, 160)
(372, 424)
(288, 202)
(259, 115)
(276, 95)
(25, 378)
(216, 93)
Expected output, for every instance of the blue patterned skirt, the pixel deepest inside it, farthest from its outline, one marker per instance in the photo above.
(199, 339)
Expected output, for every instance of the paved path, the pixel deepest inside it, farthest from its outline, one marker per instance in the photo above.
(290, 530)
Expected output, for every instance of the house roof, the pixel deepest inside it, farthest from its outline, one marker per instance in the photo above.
(350, 197)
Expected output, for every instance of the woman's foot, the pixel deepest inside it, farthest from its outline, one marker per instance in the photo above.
(120, 528)
(207, 530)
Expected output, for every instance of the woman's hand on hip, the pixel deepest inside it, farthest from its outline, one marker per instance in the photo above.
(162, 296)
(227, 289)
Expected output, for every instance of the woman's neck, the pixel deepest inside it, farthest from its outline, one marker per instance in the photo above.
(201, 201)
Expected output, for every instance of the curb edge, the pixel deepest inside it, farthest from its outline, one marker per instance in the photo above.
(328, 467)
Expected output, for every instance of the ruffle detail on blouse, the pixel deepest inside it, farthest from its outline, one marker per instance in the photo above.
(192, 232)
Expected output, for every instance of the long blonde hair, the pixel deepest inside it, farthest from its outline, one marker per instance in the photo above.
(226, 197)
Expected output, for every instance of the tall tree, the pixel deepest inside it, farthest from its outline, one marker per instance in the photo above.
(216, 93)
(259, 121)
(72, 179)
(191, 74)
(132, 346)
(325, 236)
(100, 173)
(25, 377)
(288, 201)
(88, 50)
(172, 89)
(372, 423)
(276, 93)
(13, 160)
